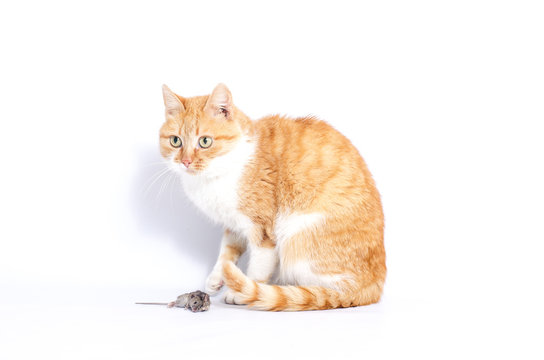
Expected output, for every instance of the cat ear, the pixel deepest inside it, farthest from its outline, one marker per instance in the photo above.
(172, 103)
(219, 102)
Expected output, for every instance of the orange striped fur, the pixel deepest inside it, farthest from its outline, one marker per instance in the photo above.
(300, 198)
(294, 298)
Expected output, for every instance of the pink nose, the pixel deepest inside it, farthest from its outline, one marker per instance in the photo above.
(186, 162)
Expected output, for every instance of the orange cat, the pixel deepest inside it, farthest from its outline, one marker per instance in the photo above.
(295, 193)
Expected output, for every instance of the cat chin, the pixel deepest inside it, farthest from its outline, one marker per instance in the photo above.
(190, 171)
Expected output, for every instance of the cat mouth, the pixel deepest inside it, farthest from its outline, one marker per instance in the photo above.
(189, 170)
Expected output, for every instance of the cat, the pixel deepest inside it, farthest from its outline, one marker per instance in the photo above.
(294, 193)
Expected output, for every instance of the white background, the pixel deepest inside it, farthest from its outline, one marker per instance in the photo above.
(444, 100)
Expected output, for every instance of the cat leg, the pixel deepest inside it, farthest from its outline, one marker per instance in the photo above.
(232, 246)
(262, 264)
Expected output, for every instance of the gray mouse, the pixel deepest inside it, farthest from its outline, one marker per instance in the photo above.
(195, 301)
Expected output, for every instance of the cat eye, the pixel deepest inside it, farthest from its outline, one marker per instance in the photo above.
(205, 142)
(175, 141)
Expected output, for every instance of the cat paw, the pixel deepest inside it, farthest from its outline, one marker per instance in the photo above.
(214, 283)
(233, 298)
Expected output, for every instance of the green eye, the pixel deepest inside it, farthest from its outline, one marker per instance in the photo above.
(175, 141)
(205, 142)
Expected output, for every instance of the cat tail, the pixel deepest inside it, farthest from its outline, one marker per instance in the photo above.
(281, 298)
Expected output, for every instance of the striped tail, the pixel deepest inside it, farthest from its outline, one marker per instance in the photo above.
(282, 298)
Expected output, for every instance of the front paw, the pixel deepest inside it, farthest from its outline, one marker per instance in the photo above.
(233, 298)
(214, 283)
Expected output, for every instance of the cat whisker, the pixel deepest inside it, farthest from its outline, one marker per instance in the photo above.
(172, 195)
(155, 163)
(165, 184)
(155, 178)
(176, 184)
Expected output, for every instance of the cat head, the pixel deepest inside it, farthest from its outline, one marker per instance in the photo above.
(200, 132)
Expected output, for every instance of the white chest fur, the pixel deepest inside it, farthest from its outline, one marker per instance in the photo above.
(215, 190)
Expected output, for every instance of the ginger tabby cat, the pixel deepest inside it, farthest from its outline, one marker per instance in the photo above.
(295, 193)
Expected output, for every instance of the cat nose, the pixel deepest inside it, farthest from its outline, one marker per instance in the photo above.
(186, 162)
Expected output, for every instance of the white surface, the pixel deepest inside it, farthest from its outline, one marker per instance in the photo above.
(444, 101)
